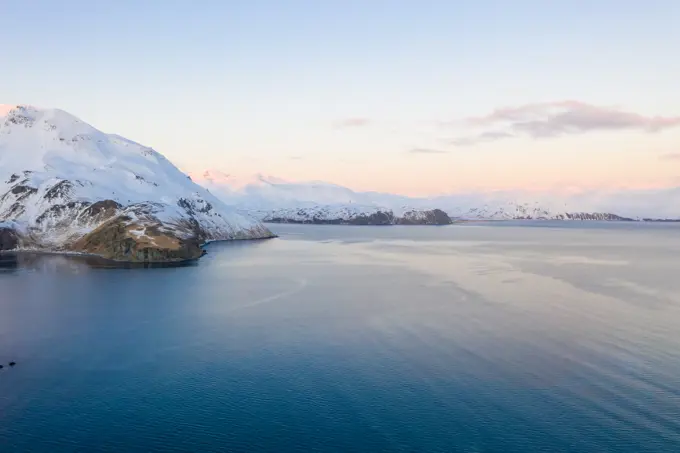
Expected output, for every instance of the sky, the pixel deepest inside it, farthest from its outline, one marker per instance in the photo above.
(418, 97)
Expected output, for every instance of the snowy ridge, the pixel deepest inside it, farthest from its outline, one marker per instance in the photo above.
(61, 178)
(326, 214)
(269, 198)
(276, 200)
(594, 205)
(354, 215)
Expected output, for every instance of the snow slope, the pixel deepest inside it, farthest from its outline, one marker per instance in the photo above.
(273, 199)
(268, 198)
(55, 168)
(267, 192)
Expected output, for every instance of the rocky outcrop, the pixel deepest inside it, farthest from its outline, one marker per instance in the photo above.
(122, 239)
(376, 218)
(431, 217)
(100, 211)
(9, 239)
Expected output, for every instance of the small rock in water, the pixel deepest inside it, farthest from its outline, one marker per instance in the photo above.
(12, 363)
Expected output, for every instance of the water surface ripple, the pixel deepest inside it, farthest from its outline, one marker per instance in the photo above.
(482, 338)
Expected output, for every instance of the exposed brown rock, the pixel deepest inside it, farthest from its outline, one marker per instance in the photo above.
(116, 240)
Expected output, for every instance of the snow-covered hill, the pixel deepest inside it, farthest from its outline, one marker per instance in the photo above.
(592, 205)
(268, 192)
(273, 199)
(354, 215)
(65, 185)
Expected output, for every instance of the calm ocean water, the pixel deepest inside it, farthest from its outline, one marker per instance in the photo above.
(477, 338)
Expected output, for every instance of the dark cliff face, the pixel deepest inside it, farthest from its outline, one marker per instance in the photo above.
(432, 217)
(101, 209)
(9, 239)
(441, 218)
(377, 218)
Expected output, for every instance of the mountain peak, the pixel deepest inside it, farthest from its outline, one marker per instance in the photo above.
(5, 109)
(61, 180)
(47, 121)
(22, 114)
(30, 112)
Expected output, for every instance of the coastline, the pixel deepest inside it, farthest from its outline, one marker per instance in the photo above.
(69, 253)
(348, 224)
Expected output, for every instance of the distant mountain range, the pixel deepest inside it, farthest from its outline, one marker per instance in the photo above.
(274, 199)
(66, 186)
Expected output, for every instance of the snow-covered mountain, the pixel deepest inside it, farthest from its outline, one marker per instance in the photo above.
(273, 199)
(67, 186)
(591, 205)
(267, 192)
(354, 215)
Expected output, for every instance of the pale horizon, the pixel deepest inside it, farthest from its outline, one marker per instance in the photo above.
(417, 99)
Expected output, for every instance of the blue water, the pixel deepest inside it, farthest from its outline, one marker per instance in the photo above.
(474, 338)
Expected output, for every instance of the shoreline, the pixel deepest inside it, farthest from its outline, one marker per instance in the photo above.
(333, 223)
(459, 221)
(72, 254)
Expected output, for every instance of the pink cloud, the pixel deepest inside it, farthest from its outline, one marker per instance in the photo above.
(551, 119)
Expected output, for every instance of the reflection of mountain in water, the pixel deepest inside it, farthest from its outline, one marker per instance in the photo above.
(72, 263)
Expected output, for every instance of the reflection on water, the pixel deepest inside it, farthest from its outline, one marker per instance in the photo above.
(73, 263)
(462, 338)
